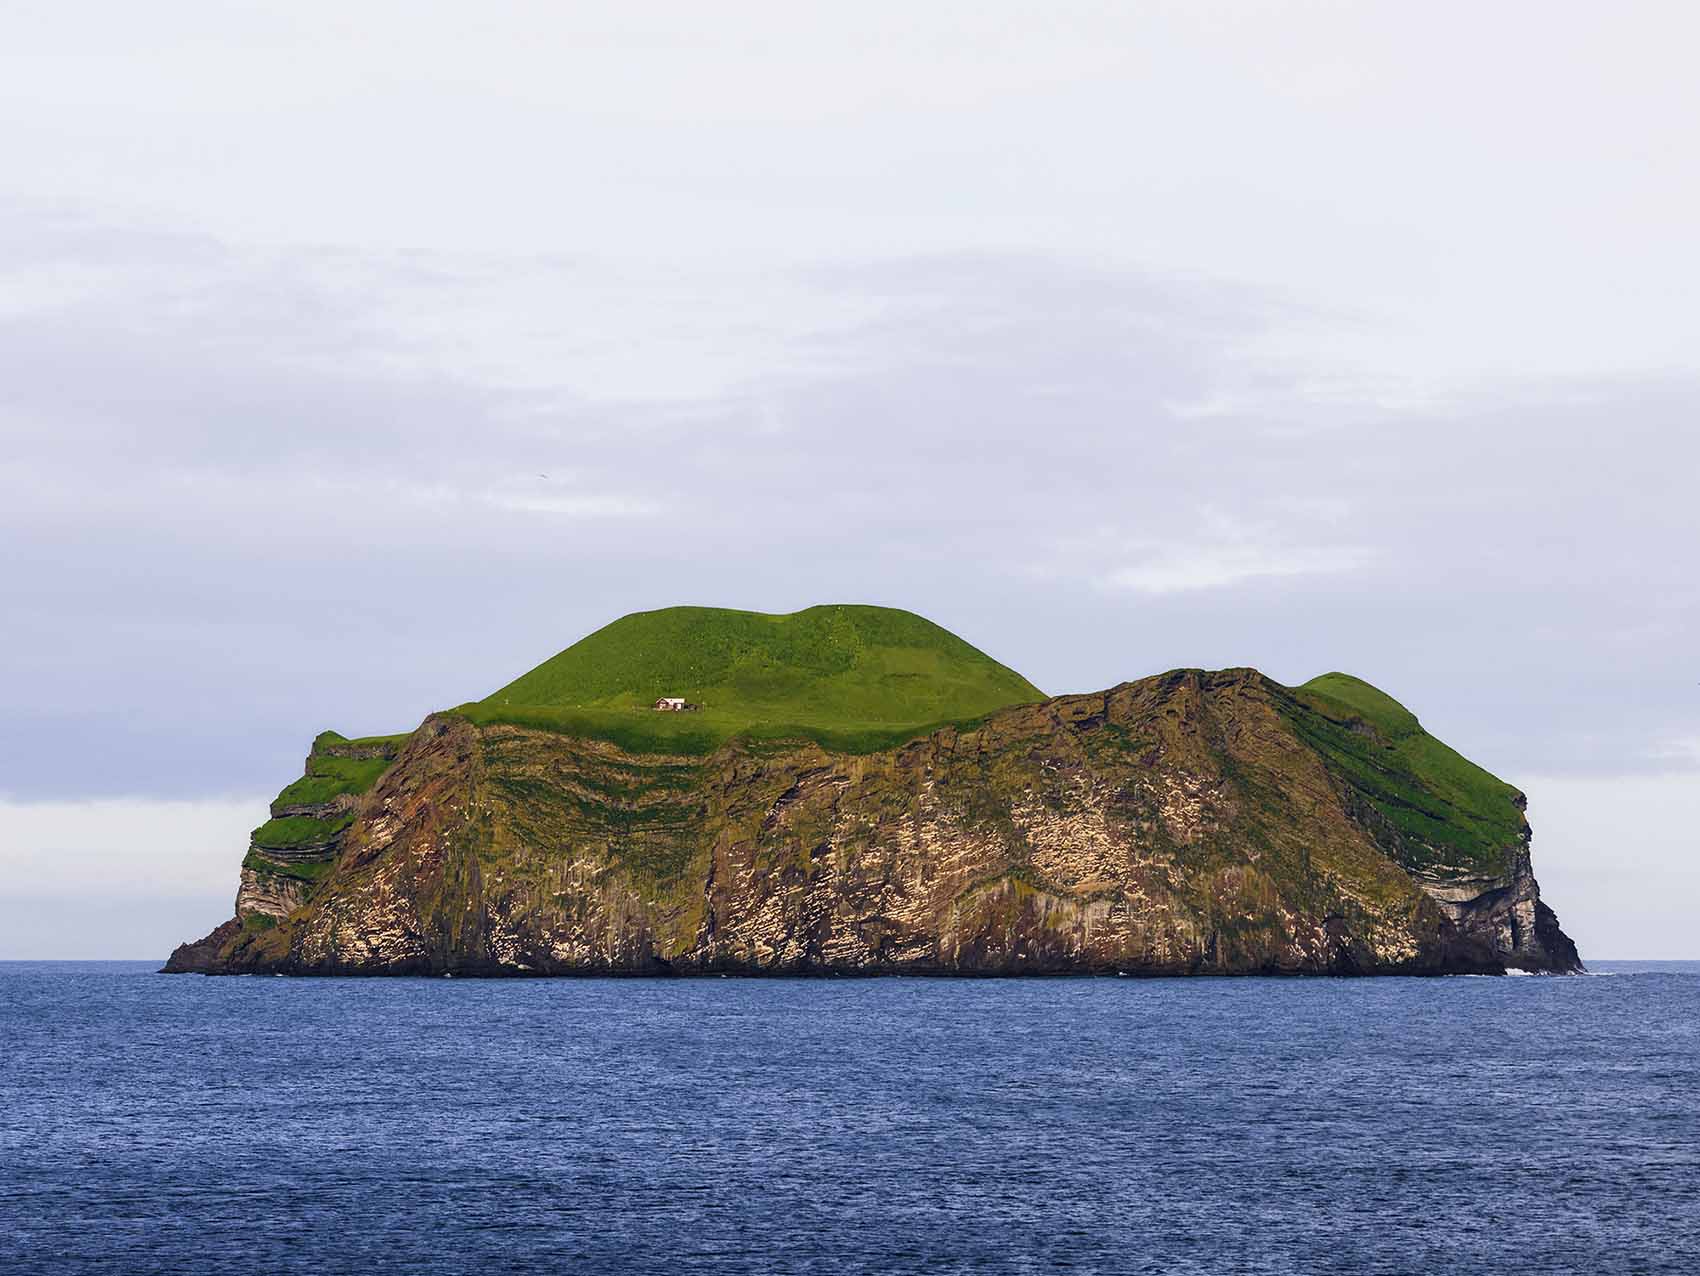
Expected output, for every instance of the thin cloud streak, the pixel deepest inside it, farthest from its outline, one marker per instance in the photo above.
(1181, 568)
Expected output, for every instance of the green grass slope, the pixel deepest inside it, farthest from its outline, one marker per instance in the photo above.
(853, 678)
(1448, 812)
(336, 766)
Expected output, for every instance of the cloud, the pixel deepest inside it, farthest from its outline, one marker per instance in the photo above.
(244, 505)
(134, 845)
(1682, 752)
(1180, 568)
(1620, 859)
(582, 505)
(1221, 550)
(117, 879)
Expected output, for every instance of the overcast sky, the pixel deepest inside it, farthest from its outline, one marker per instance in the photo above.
(355, 358)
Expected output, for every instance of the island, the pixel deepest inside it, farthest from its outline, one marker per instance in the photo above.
(854, 790)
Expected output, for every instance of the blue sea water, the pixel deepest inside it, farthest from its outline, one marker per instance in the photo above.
(159, 1124)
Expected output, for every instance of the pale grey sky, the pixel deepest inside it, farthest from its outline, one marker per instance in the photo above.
(1115, 337)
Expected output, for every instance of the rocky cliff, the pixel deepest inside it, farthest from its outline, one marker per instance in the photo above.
(1190, 823)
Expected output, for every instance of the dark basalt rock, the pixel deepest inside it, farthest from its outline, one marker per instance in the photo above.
(206, 956)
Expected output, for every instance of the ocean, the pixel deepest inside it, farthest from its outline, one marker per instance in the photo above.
(183, 1124)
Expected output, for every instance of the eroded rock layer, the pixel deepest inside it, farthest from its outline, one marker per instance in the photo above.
(1188, 823)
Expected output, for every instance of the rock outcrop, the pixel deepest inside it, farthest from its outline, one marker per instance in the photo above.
(1190, 823)
(1506, 911)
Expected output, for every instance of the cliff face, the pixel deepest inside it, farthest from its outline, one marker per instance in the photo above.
(1188, 823)
(1506, 911)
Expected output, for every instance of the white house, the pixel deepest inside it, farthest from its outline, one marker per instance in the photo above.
(671, 704)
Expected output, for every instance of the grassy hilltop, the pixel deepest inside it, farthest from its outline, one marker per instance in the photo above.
(853, 678)
(1449, 813)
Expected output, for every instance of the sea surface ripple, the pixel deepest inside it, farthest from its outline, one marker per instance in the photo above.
(155, 1124)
